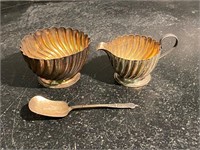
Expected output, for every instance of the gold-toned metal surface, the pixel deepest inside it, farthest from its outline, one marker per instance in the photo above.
(134, 57)
(59, 84)
(56, 55)
(46, 107)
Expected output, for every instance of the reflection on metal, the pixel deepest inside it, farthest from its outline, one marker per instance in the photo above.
(56, 55)
(134, 57)
(46, 107)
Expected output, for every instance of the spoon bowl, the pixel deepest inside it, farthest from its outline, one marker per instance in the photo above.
(43, 106)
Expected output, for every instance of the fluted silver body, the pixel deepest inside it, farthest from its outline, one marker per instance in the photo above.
(132, 69)
(133, 58)
(55, 53)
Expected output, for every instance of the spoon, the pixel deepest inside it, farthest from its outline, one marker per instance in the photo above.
(46, 107)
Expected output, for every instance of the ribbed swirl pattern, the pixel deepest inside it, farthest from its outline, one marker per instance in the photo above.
(55, 53)
(137, 69)
(133, 56)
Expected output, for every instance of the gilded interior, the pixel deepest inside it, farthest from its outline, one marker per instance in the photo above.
(55, 53)
(53, 43)
(133, 57)
(133, 47)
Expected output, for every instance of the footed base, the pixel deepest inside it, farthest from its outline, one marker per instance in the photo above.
(132, 83)
(59, 84)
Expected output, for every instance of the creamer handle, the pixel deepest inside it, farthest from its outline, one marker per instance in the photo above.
(175, 45)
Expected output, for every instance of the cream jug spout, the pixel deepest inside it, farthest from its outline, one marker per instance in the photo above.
(102, 46)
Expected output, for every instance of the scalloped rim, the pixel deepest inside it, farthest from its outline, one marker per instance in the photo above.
(125, 35)
(33, 32)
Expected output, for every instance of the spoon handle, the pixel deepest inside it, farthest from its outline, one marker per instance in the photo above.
(117, 105)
